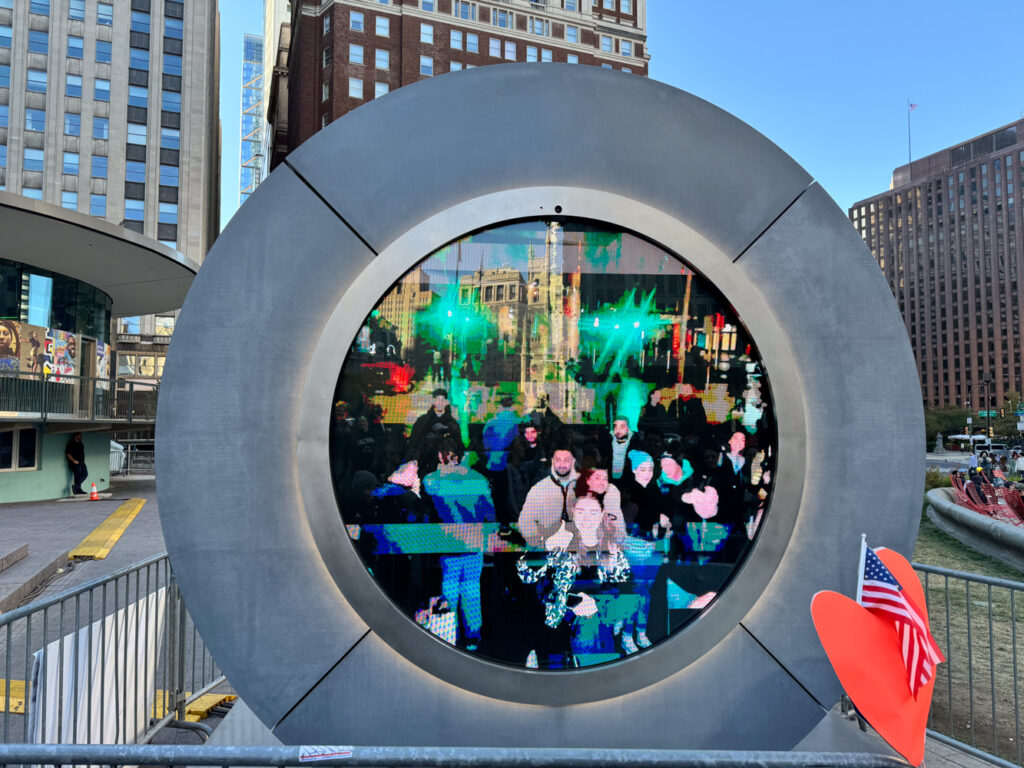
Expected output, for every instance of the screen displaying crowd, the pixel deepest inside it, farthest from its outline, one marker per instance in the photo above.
(552, 444)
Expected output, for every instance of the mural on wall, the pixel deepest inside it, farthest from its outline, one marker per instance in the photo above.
(40, 350)
(102, 360)
(61, 350)
(10, 345)
(33, 356)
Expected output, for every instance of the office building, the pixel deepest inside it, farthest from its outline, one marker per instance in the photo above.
(251, 151)
(945, 237)
(110, 109)
(276, 36)
(343, 53)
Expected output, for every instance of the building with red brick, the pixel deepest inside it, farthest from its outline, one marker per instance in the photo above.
(344, 53)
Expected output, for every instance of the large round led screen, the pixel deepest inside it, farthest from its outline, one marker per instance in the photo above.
(552, 444)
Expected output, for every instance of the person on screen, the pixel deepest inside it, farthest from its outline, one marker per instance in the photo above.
(499, 433)
(548, 502)
(432, 427)
(462, 495)
(399, 501)
(642, 541)
(583, 575)
(401, 498)
(594, 482)
(615, 446)
(654, 418)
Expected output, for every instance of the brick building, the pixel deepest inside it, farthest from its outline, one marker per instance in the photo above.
(945, 236)
(343, 53)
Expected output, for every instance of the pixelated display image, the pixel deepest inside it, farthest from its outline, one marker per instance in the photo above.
(552, 444)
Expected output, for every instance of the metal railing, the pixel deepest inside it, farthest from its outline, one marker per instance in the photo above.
(114, 660)
(109, 662)
(47, 396)
(132, 461)
(977, 691)
(437, 757)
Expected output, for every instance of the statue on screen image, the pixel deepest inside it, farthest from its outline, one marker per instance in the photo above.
(552, 444)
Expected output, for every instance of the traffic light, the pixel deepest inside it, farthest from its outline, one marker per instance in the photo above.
(1002, 412)
(991, 432)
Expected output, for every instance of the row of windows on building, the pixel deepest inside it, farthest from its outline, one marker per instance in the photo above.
(173, 9)
(913, 198)
(508, 51)
(427, 69)
(39, 42)
(467, 10)
(542, 27)
(35, 121)
(36, 81)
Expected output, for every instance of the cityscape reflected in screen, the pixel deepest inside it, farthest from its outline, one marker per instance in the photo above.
(552, 444)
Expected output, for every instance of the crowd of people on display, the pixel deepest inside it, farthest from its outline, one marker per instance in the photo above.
(545, 544)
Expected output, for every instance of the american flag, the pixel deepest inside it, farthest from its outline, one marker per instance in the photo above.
(882, 594)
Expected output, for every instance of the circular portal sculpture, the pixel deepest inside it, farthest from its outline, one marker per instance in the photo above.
(307, 543)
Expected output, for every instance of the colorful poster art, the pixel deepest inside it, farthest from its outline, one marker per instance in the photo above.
(33, 342)
(61, 349)
(102, 360)
(10, 345)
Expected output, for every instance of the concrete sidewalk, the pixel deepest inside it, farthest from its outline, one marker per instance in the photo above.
(51, 529)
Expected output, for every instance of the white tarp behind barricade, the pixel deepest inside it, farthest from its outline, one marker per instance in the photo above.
(100, 692)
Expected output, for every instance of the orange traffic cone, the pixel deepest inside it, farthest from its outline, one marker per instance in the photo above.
(93, 495)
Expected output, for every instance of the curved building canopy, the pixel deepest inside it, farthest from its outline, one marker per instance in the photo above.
(140, 275)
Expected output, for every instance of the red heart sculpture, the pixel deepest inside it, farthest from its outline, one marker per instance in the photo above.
(865, 654)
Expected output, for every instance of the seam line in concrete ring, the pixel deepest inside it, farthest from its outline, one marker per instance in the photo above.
(331, 208)
(771, 223)
(323, 677)
(782, 666)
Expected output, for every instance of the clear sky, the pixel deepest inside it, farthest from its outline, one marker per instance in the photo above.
(826, 81)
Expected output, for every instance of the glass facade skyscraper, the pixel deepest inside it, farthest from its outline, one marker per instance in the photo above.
(252, 164)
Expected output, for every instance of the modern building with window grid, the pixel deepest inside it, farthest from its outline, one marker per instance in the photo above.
(344, 53)
(110, 109)
(253, 133)
(946, 238)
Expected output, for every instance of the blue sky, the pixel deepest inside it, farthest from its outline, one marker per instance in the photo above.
(826, 81)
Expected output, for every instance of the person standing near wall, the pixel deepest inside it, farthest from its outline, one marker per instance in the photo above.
(74, 452)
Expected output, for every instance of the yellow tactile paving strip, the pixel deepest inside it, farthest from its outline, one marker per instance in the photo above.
(17, 696)
(197, 710)
(101, 540)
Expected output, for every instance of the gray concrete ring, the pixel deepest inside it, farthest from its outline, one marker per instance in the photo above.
(297, 623)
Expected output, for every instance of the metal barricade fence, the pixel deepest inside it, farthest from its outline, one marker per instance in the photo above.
(115, 659)
(437, 757)
(140, 462)
(977, 691)
(109, 662)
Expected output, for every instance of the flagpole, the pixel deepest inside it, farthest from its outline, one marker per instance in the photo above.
(860, 567)
(909, 158)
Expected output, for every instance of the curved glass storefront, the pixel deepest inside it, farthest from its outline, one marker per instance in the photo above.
(47, 299)
(553, 444)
